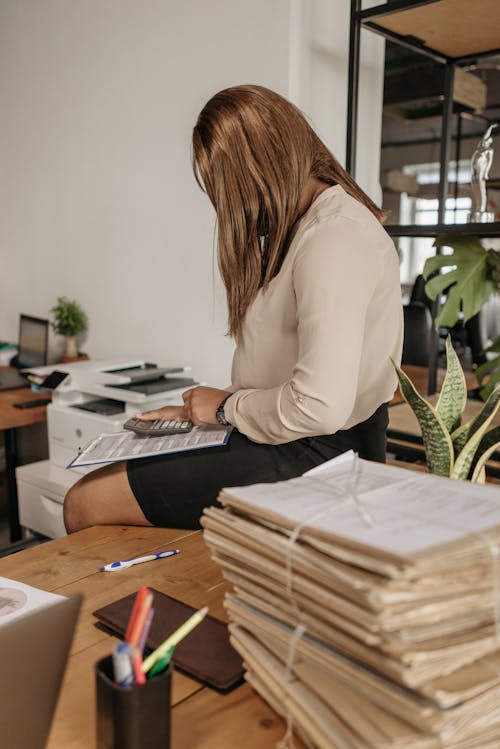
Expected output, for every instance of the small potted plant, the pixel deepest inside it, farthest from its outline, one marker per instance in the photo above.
(453, 449)
(69, 320)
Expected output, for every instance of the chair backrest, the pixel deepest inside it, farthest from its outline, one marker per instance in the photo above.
(418, 294)
(416, 343)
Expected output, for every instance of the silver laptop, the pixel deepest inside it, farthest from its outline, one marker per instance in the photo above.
(33, 339)
(33, 653)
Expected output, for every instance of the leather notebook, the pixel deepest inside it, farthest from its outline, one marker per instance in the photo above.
(205, 653)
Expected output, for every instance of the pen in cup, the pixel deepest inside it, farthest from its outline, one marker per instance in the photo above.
(174, 638)
(161, 663)
(138, 626)
(145, 631)
(122, 665)
(138, 602)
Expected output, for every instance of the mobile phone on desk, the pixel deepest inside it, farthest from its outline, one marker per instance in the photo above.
(33, 403)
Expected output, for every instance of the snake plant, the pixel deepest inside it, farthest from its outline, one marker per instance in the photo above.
(453, 449)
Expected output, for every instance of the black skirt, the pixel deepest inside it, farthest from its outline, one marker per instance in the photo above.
(172, 490)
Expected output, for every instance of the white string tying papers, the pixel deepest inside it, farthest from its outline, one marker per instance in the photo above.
(350, 493)
(347, 493)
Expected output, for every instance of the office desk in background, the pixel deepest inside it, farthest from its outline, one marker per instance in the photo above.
(12, 419)
(404, 436)
(201, 717)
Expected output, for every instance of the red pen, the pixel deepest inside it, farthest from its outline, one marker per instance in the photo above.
(139, 675)
(141, 595)
(140, 620)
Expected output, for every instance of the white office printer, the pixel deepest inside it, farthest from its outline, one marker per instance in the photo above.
(94, 397)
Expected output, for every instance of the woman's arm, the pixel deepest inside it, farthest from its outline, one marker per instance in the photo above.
(336, 271)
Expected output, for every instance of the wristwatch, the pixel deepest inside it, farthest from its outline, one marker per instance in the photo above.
(220, 415)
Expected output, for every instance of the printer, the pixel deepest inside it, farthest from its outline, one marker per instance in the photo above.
(91, 398)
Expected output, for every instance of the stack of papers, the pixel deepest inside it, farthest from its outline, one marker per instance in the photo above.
(395, 578)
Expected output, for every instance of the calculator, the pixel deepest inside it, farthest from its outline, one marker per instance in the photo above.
(158, 427)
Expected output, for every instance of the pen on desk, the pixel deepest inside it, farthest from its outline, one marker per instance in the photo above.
(174, 638)
(113, 566)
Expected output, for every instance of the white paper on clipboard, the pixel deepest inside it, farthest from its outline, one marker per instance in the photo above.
(127, 445)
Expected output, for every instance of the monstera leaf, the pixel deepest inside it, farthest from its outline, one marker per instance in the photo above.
(468, 282)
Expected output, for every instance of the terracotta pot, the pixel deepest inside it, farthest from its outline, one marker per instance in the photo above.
(71, 359)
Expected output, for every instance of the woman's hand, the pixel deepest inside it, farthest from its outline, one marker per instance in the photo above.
(200, 405)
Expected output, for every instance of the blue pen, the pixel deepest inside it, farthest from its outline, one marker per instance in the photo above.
(122, 665)
(138, 560)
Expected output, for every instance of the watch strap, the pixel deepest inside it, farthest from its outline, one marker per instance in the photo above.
(220, 415)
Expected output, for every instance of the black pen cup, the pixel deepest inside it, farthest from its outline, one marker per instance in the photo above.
(136, 717)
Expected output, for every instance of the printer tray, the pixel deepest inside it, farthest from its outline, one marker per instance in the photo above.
(158, 385)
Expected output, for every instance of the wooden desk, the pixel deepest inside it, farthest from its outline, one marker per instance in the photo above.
(200, 717)
(12, 419)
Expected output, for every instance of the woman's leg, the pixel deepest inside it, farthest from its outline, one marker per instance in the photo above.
(173, 490)
(102, 497)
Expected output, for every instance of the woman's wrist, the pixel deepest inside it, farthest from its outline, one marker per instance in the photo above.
(219, 413)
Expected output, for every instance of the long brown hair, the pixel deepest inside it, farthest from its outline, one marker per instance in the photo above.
(253, 152)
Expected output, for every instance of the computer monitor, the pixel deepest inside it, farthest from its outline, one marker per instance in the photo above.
(33, 340)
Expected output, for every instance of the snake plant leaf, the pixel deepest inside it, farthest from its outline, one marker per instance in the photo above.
(459, 438)
(437, 441)
(467, 281)
(489, 443)
(481, 477)
(453, 396)
(487, 413)
(464, 461)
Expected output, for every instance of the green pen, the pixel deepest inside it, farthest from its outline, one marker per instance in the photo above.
(161, 663)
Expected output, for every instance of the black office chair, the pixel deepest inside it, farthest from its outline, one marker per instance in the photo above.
(417, 330)
(418, 295)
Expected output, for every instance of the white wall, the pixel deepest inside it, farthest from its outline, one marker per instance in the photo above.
(318, 82)
(97, 198)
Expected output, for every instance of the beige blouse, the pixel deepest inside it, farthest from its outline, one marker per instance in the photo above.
(314, 352)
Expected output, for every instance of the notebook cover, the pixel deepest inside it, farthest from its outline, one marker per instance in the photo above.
(205, 653)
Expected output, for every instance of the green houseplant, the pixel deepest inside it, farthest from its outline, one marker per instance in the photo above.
(69, 320)
(453, 449)
(469, 275)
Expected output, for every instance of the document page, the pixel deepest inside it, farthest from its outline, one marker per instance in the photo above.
(127, 445)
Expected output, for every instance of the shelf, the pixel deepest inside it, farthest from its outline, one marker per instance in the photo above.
(414, 230)
(451, 29)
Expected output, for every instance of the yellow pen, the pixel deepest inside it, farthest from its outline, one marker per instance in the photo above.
(174, 638)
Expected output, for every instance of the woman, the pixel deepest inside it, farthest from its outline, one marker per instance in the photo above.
(312, 283)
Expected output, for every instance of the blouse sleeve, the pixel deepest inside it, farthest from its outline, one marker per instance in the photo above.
(336, 271)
